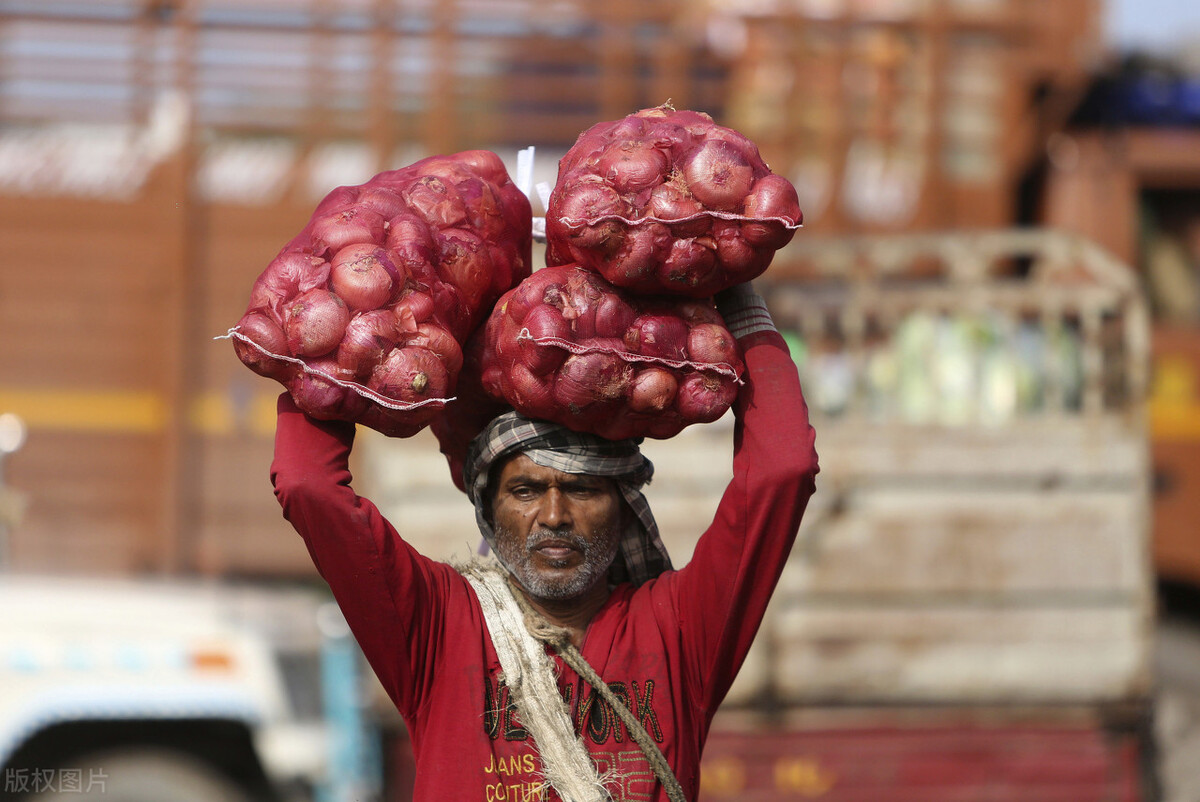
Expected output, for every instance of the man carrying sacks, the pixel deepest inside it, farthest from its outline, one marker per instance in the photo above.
(579, 665)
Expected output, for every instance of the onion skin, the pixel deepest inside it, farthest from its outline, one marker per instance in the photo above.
(772, 196)
(633, 166)
(368, 338)
(335, 231)
(314, 323)
(653, 390)
(268, 334)
(703, 398)
(712, 344)
(321, 398)
(613, 316)
(363, 276)
(658, 335)
(386, 202)
(464, 262)
(287, 275)
(544, 321)
(436, 201)
(441, 343)
(719, 175)
(587, 378)
(410, 375)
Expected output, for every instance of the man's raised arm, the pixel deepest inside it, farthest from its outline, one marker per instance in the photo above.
(724, 590)
(386, 590)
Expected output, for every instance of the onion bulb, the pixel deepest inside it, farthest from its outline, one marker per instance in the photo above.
(264, 331)
(368, 338)
(338, 229)
(653, 390)
(662, 336)
(712, 344)
(410, 375)
(703, 398)
(718, 175)
(315, 322)
(363, 276)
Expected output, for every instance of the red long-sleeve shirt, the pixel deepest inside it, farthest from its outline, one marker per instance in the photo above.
(668, 649)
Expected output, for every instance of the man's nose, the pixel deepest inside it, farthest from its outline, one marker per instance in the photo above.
(554, 512)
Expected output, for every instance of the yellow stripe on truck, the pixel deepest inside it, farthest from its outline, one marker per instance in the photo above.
(110, 411)
(136, 412)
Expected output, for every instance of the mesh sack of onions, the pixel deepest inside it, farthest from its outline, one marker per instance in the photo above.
(363, 314)
(667, 201)
(567, 346)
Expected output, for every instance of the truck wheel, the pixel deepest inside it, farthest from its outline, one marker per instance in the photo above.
(139, 775)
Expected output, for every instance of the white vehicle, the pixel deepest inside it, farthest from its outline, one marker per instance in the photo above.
(138, 691)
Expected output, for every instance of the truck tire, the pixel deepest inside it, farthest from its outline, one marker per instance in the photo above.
(140, 775)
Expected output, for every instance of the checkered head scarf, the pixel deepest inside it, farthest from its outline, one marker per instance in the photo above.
(641, 555)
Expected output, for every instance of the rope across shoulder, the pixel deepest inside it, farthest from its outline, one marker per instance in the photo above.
(535, 631)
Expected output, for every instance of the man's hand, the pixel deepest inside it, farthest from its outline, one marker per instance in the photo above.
(744, 310)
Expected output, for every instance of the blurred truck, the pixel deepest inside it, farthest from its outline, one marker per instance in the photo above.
(144, 691)
(182, 690)
(968, 613)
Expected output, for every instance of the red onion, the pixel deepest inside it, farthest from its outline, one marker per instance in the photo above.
(320, 397)
(463, 261)
(713, 344)
(528, 391)
(265, 332)
(414, 306)
(544, 321)
(345, 227)
(613, 316)
(435, 200)
(287, 275)
(658, 335)
(673, 201)
(703, 397)
(695, 311)
(585, 202)
(719, 175)
(363, 276)
(410, 375)
(632, 165)
(438, 340)
(587, 378)
(691, 268)
(772, 196)
(486, 164)
(734, 253)
(482, 203)
(315, 322)
(386, 202)
(644, 249)
(653, 390)
(368, 338)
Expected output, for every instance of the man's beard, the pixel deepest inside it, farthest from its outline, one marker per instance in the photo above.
(598, 555)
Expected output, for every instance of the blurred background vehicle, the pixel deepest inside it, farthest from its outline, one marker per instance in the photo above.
(155, 154)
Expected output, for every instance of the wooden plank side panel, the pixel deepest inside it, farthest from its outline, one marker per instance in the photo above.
(82, 293)
(975, 542)
(960, 653)
(91, 502)
(239, 529)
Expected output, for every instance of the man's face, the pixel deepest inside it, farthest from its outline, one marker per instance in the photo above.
(558, 532)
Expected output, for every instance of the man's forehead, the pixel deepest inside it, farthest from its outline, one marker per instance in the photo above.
(521, 466)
